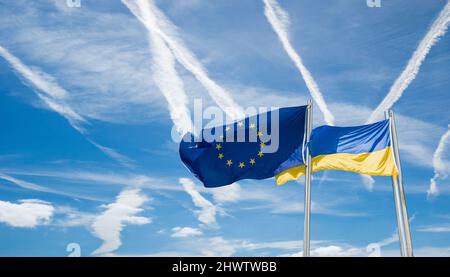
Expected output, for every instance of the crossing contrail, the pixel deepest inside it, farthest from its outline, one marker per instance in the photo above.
(440, 167)
(411, 70)
(164, 73)
(279, 20)
(155, 21)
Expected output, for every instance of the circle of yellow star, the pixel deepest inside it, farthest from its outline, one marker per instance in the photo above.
(241, 164)
(220, 156)
(252, 126)
(260, 134)
(252, 161)
(262, 144)
(260, 154)
(240, 123)
(229, 162)
(218, 146)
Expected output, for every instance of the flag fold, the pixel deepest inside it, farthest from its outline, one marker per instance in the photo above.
(253, 148)
(362, 149)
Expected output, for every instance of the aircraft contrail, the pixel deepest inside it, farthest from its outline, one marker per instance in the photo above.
(411, 70)
(436, 31)
(158, 23)
(53, 95)
(46, 89)
(440, 169)
(164, 73)
(279, 20)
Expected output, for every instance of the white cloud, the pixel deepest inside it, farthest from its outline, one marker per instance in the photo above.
(225, 194)
(441, 167)
(368, 182)
(183, 232)
(28, 213)
(336, 251)
(285, 245)
(207, 212)
(73, 217)
(218, 247)
(329, 249)
(108, 225)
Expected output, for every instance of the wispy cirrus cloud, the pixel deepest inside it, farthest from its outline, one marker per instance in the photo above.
(444, 228)
(46, 88)
(35, 187)
(409, 73)
(24, 184)
(54, 97)
(106, 62)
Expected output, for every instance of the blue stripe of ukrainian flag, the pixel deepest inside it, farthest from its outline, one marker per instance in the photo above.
(362, 149)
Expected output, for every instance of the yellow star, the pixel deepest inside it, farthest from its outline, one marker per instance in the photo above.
(241, 164)
(240, 123)
(262, 144)
(218, 146)
(252, 126)
(227, 129)
(229, 162)
(260, 154)
(260, 134)
(220, 156)
(252, 161)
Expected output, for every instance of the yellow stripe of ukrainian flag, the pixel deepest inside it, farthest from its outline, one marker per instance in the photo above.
(377, 163)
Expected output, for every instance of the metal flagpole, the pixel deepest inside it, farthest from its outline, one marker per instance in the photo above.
(397, 200)
(308, 172)
(399, 184)
(398, 209)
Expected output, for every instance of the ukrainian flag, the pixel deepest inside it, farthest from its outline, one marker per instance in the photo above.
(362, 149)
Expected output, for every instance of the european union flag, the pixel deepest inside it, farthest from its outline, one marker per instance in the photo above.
(253, 148)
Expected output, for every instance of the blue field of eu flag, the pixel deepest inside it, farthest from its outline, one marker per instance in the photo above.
(223, 159)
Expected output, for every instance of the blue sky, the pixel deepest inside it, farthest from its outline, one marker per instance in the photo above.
(87, 157)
